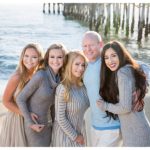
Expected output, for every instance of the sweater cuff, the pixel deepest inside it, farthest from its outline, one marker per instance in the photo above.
(74, 136)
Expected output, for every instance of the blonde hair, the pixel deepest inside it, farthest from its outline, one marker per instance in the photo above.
(22, 70)
(68, 78)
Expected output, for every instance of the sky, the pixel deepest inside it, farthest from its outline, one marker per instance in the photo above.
(74, 1)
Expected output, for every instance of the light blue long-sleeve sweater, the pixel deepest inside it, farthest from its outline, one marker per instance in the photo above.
(92, 82)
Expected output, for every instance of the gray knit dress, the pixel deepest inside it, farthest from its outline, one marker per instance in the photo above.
(69, 116)
(135, 127)
(38, 96)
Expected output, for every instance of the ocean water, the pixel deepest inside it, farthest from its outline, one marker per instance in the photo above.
(24, 23)
(21, 24)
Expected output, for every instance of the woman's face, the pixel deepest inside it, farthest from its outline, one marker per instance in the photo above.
(55, 60)
(78, 67)
(111, 59)
(30, 59)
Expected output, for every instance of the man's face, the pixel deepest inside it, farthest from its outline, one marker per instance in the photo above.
(91, 48)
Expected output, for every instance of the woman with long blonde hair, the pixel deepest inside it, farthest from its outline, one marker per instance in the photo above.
(12, 131)
(38, 96)
(71, 102)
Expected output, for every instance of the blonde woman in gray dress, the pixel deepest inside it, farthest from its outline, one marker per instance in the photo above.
(12, 131)
(38, 96)
(71, 102)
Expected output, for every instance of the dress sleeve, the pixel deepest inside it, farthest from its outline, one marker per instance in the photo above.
(125, 87)
(146, 70)
(86, 96)
(60, 109)
(24, 96)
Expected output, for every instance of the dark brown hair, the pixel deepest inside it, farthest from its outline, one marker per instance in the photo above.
(56, 46)
(108, 84)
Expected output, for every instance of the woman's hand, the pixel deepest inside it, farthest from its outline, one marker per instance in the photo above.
(34, 117)
(37, 127)
(80, 139)
(100, 104)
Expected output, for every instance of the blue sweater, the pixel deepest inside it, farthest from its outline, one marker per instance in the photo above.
(92, 82)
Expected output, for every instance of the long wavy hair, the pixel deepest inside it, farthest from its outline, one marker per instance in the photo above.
(68, 77)
(22, 70)
(56, 46)
(108, 83)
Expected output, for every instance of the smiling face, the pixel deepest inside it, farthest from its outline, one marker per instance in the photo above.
(78, 67)
(111, 59)
(30, 59)
(55, 60)
(91, 47)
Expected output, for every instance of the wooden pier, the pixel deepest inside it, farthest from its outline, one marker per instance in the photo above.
(52, 8)
(107, 17)
(114, 17)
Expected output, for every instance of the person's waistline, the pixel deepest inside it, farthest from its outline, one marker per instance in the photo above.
(106, 128)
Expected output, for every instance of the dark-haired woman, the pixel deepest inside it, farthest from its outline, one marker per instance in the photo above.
(120, 77)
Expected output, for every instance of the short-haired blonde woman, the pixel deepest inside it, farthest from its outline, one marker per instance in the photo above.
(71, 102)
(12, 131)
